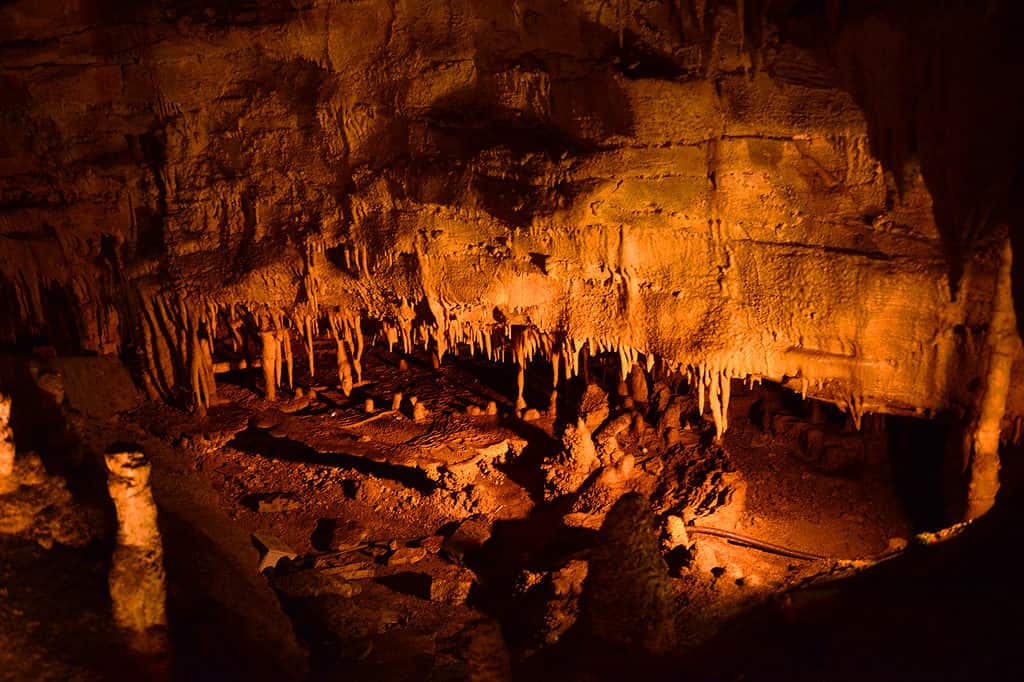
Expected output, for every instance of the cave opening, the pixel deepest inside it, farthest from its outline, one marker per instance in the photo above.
(581, 340)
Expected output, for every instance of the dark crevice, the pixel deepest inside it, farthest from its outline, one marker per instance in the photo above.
(263, 444)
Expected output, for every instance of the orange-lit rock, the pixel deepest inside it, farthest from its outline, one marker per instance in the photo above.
(137, 579)
(719, 216)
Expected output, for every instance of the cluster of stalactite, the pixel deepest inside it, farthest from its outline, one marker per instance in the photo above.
(74, 307)
(177, 334)
(181, 334)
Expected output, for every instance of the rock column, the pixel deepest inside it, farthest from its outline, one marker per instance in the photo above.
(137, 579)
(7, 482)
(1002, 346)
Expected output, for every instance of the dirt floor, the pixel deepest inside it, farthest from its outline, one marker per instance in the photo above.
(451, 544)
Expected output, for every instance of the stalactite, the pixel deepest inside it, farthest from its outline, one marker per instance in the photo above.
(357, 334)
(488, 342)
(724, 396)
(525, 342)
(854, 403)
(157, 340)
(234, 325)
(306, 327)
(198, 321)
(586, 351)
(715, 385)
(699, 381)
(285, 342)
(390, 335)
(155, 388)
(348, 342)
(438, 332)
(204, 387)
(405, 315)
(556, 359)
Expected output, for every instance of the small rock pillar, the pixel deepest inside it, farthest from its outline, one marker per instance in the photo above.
(1002, 346)
(7, 481)
(137, 580)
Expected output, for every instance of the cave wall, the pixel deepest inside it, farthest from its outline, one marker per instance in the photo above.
(655, 176)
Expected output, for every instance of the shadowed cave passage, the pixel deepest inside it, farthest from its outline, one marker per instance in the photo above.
(578, 339)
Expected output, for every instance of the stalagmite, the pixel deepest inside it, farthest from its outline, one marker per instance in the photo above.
(137, 580)
(7, 482)
(269, 363)
(1002, 344)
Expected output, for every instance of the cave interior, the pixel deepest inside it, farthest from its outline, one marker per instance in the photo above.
(511, 340)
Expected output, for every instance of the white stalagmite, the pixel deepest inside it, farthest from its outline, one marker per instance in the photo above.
(7, 482)
(137, 579)
(1002, 345)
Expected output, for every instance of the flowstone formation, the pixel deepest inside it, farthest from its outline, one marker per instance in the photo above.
(653, 179)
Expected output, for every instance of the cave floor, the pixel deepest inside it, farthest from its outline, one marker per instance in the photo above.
(301, 466)
(392, 520)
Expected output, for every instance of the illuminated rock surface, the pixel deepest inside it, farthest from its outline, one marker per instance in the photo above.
(642, 179)
(463, 303)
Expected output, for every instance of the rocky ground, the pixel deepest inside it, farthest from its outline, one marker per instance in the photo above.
(445, 536)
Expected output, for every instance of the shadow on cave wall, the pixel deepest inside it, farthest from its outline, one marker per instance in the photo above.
(935, 83)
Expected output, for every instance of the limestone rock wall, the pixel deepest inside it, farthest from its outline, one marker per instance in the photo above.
(636, 174)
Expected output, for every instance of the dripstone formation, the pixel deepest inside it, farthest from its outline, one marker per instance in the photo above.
(656, 179)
